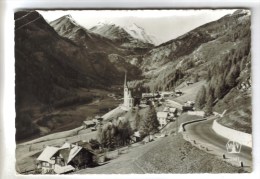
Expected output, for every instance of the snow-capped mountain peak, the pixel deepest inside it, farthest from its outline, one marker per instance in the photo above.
(105, 23)
(139, 33)
(69, 17)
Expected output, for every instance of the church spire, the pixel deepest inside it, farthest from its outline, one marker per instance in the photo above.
(125, 83)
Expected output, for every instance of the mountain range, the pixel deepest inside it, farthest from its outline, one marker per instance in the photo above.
(132, 33)
(53, 61)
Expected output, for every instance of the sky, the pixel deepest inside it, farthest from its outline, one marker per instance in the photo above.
(165, 25)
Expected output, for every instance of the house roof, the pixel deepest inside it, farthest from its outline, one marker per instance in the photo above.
(86, 146)
(89, 122)
(137, 134)
(70, 151)
(95, 120)
(47, 153)
(169, 109)
(162, 114)
(172, 109)
(63, 169)
(166, 109)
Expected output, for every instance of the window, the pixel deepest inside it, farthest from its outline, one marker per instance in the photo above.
(45, 164)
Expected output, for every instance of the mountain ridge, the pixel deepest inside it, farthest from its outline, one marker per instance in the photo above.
(50, 70)
(119, 34)
(219, 52)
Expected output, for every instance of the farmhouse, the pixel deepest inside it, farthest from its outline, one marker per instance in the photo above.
(162, 118)
(64, 159)
(49, 161)
(76, 155)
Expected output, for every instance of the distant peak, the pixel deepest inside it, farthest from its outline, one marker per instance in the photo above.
(105, 23)
(66, 16)
(242, 11)
(70, 18)
(135, 25)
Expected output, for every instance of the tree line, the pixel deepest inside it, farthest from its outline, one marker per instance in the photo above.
(119, 132)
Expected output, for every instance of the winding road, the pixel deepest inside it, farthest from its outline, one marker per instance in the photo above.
(205, 138)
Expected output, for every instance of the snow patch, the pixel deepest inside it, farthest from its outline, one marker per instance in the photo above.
(139, 33)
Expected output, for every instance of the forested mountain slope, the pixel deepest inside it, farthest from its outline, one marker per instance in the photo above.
(50, 69)
(219, 52)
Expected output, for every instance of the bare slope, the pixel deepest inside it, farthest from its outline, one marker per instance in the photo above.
(167, 155)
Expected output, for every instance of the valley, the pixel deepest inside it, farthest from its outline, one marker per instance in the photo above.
(111, 92)
(71, 116)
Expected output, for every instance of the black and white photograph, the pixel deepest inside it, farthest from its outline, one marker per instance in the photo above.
(133, 91)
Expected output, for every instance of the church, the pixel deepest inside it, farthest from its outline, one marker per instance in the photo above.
(128, 99)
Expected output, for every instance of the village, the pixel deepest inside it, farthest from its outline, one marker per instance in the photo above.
(92, 148)
(104, 100)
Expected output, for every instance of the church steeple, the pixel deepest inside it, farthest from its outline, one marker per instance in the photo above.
(128, 100)
(125, 83)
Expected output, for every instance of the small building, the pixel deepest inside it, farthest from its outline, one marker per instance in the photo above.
(171, 111)
(45, 162)
(162, 118)
(178, 93)
(88, 124)
(65, 159)
(143, 105)
(197, 113)
(97, 119)
(136, 137)
(148, 95)
(187, 108)
(188, 83)
(50, 161)
(76, 156)
(143, 101)
(166, 94)
(189, 103)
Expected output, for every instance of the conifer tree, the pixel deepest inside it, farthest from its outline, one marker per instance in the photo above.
(201, 98)
(149, 124)
(210, 100)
